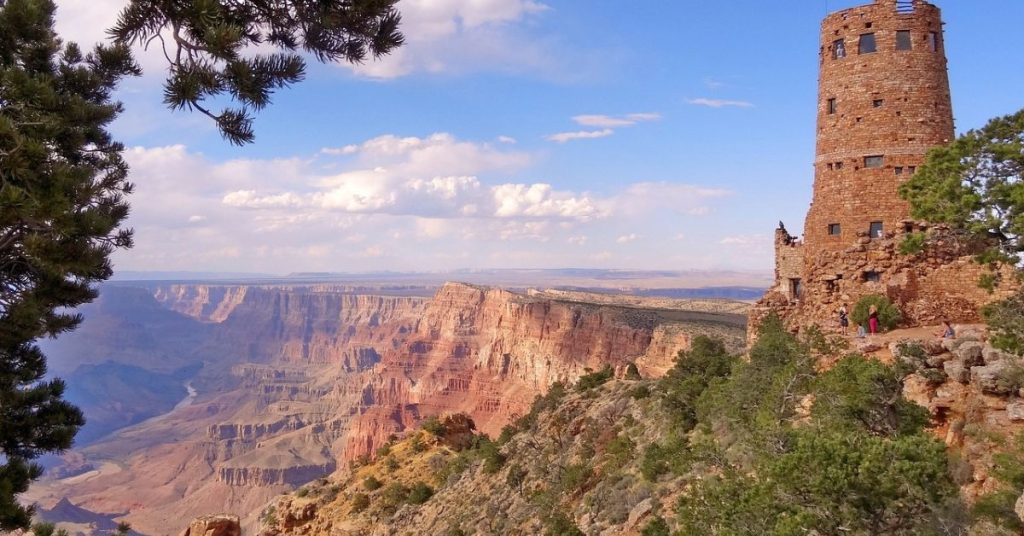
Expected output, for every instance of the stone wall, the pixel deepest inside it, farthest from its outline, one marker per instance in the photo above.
(940, 282)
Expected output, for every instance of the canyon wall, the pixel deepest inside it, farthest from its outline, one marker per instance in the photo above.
(295, 382)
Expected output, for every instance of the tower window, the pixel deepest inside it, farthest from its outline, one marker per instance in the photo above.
(838, 49)
(875, 229)
(839, 165)
(830, 166)
(832, 106)
(835, 229)
(899, 170)
(872, 277)
(877, 103)
(867, 43)
(873, 161)
(903, 40)
(912, 169)
(796, 288)
(933, 41)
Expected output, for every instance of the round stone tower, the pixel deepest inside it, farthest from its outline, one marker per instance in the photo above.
(883, 103)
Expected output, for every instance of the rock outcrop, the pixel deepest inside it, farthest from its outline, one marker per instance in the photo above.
(215, 525)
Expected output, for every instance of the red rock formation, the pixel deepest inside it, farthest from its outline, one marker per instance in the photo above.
(319, 377)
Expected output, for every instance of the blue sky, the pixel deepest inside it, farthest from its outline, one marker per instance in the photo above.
(522, 133)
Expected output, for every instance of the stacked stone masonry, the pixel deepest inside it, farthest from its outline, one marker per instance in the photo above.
(883, 102)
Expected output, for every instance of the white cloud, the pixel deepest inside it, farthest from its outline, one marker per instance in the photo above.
(444, 36)
(605, 123)
(745, 240)
(563, 137)
(713, 83)
(409, 203)
(720, 103)
(507, 139)
(339, 151)
(625, 239)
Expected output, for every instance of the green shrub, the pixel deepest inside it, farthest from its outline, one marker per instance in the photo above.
(1006, 322)
(913, 243)
(360, 502)
(889, 315)
(492, 457)
(371, 483)
(640, 392)
(655, 527)
(433, 425)
(394, 494)
(632, 372)
(619, 451)
(455, 530)
(302, 492)
(575, 477)
(417, 444)
(559, 525)
(595, 379)
(391, 464)
(384, 450)
(420, 493)
(516, 477)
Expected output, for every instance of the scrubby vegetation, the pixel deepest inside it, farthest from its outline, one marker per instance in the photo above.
(767, 443)
(889, 315)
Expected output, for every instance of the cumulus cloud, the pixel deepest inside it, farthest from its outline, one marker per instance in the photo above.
(720, 103)
(625, 239)
(370, 207)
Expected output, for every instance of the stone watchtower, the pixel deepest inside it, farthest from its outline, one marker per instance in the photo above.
(883, 102)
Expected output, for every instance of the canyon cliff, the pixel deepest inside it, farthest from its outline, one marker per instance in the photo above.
(293, 383)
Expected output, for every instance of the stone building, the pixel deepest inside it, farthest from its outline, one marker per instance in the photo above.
(883, 102)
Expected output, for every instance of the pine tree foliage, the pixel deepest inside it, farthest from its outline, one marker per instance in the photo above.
(209, 45)
(63, 184)
(976, 184)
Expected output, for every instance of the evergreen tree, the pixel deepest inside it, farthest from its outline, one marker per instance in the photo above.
(204, 41)
(62, 188)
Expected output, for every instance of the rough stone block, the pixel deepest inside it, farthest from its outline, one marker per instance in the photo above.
(957, 371)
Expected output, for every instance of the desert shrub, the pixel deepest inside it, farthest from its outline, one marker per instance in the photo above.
(516, 477)
(492, 457)
(595, 379)
(269, 517)
(632, 372)
(575, 477)
(391, 464)
(889, 316)
(456, 466)
(673, 455)
(383, 450)
(417, 444)
(371, 483)
(640, 392)
(997, 507)
(455, 530)
(302, 492)
(331, 493)
(434, 426)
(860, 393)
(44, 529)
(913, 243)
(540, 404)
(394, 494)
(1006, 322)
(655, 527)
(558, 524)
(619, 452)
(360, 502)
(420, 493)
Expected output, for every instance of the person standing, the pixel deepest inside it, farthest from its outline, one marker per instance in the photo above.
(873, 320)
(844, 319)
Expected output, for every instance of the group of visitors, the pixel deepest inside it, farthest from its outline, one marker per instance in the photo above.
(946, 332)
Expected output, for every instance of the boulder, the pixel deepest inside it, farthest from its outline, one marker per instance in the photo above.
(215, 525)
(639, 511)
(957, 371)
(999, 378)
(1019, 508)
(933, 346)
(1015, 410)
(867, 346)
(971, 352)
(938, 360)
(991, 355)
